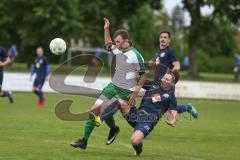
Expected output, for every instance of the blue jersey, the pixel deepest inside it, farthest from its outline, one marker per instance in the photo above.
(166, 56)
(238, 60)
(40, 67)
(156, 100)
(2, 57)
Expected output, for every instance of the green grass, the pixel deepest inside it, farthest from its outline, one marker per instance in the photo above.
(28, 133)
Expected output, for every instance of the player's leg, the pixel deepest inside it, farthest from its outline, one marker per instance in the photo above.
(187, 108)
(5, 93)
(37, 89)
(110, 92)
(89, 126)
(145, 122)
(136, 140)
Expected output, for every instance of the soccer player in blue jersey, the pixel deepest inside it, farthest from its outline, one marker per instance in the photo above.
(157, 100)
(42, 70)
(167, 57)
(3, 62)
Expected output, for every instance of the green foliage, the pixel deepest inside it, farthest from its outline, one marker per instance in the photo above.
(31, 23)
(36, 133)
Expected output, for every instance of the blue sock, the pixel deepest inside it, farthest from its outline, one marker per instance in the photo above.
(131, 119)
(113, 108)
(37, 93)
(5, 93)
(183, 108)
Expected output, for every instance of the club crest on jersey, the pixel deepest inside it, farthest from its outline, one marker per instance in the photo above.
(165, 95)
(162, 54)
(38, 65)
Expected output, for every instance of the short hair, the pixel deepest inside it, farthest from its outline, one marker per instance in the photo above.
(122, 32)
(168, 33)
(175, 76)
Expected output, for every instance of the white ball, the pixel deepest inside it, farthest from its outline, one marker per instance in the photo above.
(57, 46)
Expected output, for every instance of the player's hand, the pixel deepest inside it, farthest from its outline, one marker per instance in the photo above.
(1, 64)
(151, 63)
(132, 99)
(106, 23)
(170, 123)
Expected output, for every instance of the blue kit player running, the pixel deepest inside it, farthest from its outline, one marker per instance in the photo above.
(166, 56)
(3, 62)
(42, 70)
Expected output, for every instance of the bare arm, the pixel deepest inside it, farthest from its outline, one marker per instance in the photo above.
(6, 62)
(173, 118)
(132, 99)
(176, 66)
(107, 37)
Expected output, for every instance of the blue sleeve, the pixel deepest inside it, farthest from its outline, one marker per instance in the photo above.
(33, 70)
(172, 56)
(48, 70)
(3, 54)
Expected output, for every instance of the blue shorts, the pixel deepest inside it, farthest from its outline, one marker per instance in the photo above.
(1, 80)
(142, 120)
(38, 83)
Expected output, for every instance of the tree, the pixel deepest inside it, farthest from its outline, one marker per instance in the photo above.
(38, 23)
(198, 27)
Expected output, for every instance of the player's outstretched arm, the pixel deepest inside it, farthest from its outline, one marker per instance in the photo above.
(173, 118)
(107, 37)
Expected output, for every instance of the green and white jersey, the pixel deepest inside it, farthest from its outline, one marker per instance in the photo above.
(129, 64)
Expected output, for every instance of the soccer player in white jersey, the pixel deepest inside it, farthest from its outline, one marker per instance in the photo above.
(127, 81)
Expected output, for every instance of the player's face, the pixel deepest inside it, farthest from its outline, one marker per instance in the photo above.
(164, 40)
(121, 43)
(39, 52)
(167, 81)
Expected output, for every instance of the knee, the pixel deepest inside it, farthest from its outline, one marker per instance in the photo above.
(95, 109)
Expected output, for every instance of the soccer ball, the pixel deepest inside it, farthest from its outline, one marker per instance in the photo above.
(57, 46)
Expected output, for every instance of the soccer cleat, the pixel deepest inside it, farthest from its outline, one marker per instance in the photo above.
(80, 143)
(39, 105)
(193, 110)
(112, 135)
(44, 99)
(10, 97)
(138, 150)
(96, 119)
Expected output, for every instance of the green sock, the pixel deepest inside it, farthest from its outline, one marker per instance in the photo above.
(110, 122)
(88, 129)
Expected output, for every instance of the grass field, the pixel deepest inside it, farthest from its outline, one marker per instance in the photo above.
(28, 133)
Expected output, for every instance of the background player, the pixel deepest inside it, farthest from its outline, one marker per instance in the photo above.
(42, 70)
(166, 56)
(3, 62)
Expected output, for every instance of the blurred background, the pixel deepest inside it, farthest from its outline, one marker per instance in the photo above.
(204, 31)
